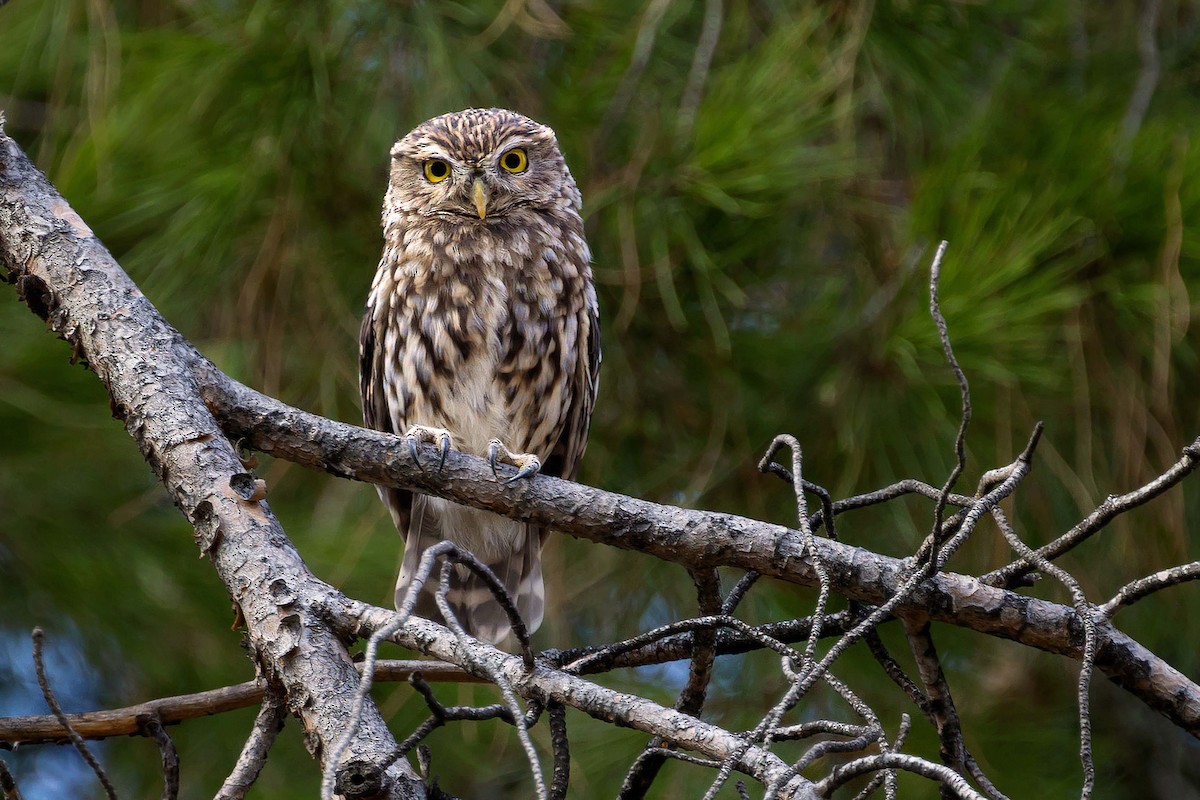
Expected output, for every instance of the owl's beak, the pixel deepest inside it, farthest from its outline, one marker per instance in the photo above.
(480, 196)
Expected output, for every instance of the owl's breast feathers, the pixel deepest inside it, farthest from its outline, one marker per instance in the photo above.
(485, 330)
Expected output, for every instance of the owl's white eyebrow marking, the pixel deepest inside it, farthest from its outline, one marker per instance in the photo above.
(515, 141)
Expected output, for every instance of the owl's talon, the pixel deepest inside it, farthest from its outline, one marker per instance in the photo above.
(494, 448)
(526, 463)
(530, 468)
(423, 434)
(443, 449)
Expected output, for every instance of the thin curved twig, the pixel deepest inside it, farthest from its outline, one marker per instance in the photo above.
(39, 666)
(1134, 591)
(267, 725)
(960, 453)
(8, 784)
(152, 727)
(867, 764)
(1112, 507)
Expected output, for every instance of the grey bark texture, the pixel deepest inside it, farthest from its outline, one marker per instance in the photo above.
(67, 277)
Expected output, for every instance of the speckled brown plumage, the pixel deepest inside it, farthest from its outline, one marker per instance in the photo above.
(481, 321)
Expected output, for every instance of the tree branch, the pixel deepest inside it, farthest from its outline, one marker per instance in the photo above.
(267, 724)
(171, 710)
(692, 538)
(546, 684)
(68, 278)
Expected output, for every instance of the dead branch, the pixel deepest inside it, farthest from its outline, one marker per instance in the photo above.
(1134, 591)
(152, 727)
(8, 785)
(171, 710)
(693, 538)
(546, 684)
(1112, 507)
(267, 724)
(76, 740)
(67, 277)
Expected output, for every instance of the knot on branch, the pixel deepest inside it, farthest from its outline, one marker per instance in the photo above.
(248, 487)
(34, 292)
(359, 780)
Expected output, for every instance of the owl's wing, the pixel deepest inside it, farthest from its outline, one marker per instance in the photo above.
(563, 461)
(376, 414)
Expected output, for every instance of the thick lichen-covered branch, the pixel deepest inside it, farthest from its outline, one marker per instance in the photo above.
(66, 276)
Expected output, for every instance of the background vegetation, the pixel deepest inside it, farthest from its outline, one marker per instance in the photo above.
(762, 224)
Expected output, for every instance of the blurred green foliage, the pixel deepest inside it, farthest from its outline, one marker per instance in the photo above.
(762, 206)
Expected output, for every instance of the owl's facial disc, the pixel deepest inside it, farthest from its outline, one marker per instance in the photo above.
(478, 168)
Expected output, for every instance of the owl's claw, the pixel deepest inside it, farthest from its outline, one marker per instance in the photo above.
(423, 434)
(526, 463)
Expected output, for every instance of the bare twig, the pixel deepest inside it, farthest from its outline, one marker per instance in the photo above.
(442, 714)
(940, 708)
(123, 721)
(738, 592)
(770, 722)
(807, 538)
(804, 730)
(861, 766)
(267, 724)
(898, 489)
(152, 727)
(893, 670)
(691, 699)
(497, 676)
(559, 744)
(1019, 469)
(546, 684)
(960, 453)
(1112, 507)
(453, 554)
(8, 784)
(939, 701)
(77, 740)
(708, 601)
(1087, 663)
(1134, 591)
(671, 642)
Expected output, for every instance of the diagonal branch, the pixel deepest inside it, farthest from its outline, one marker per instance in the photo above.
(546, 684)
(68, 278)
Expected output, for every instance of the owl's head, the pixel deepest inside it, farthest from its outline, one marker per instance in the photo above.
(479, 167)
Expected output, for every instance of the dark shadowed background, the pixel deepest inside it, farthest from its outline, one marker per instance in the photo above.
(762, 222)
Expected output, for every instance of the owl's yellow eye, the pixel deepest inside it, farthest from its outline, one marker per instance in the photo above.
(514, 160)
(436, 170)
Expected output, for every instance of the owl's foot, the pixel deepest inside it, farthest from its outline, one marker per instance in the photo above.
(526, 463)
(422, 434)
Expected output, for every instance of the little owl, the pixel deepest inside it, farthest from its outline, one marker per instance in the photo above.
(481, 329)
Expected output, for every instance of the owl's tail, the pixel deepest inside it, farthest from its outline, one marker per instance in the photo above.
(511, 549)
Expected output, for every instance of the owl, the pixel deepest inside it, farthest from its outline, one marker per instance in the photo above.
(481, 332)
